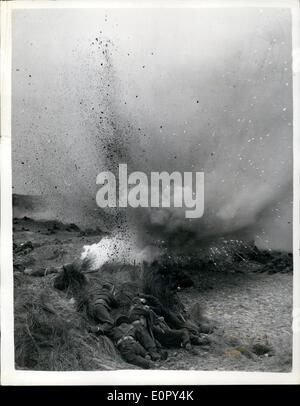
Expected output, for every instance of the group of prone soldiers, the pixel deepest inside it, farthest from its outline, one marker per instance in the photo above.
(149, 327)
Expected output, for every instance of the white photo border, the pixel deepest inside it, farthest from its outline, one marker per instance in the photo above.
(11, 376)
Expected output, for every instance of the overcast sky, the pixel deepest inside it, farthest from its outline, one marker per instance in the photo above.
(177, 89)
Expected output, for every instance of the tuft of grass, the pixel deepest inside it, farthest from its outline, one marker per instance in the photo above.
(50, 334)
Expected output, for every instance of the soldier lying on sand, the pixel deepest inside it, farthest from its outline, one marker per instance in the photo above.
(100, 301)
(172, 319)
(153, 302)
(133, 341)
(149, 327)
(159, 329)
(126, 339)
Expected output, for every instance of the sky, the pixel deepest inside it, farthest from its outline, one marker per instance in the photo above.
(177, 89)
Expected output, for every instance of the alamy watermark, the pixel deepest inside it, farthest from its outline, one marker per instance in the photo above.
(161, 189)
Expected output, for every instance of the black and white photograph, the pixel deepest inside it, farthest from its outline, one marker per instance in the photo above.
(152, 188)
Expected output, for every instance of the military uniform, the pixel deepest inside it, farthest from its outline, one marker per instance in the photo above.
(127, 339)
(173, 321)
(158, 328)
(170, 317)
(168, 337)
(100, 302)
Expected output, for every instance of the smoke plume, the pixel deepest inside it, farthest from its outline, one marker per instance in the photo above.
(161, 90)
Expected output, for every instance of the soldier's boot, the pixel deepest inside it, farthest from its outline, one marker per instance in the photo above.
(186, 341)
(207, 327)
(191, 349)
(145, 363)
(163, 355)
(132, 355)
(154, 355)
(202, 339)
